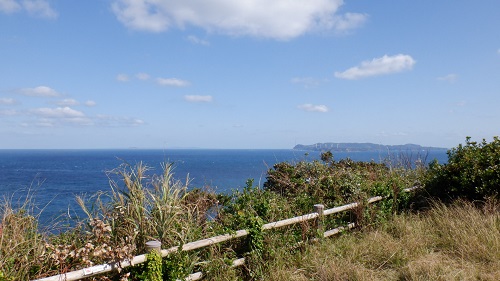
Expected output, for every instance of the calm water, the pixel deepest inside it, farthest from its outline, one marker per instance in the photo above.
(55, 177)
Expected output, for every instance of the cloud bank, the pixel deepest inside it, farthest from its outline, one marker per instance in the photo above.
(378, 66)
(28, 114)
(279, 19)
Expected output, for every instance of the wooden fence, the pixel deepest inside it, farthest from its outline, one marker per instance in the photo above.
(319, 212)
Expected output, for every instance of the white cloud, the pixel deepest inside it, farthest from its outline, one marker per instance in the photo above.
(313, 108)
(280, 19)
(7, 101)
(9, 6)
(172, 82)
(73, 102)
(39, 8)
(346, 22)
(378, 66)
(142, 76)
(449, 78)
(90, 103)
(61, 116)
(40, 91)
(197, 98)
(195, 40)
(59, 112)
(142, 15)
(114, 121)
(122, 77)
(49, 117)
(68, 102)
(137, 122)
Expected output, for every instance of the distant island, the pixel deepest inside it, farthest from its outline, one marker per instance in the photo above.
(363, 147)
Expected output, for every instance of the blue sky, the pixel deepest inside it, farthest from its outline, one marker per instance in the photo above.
(247, 74)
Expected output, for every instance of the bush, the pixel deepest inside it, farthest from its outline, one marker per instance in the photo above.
(472, 172)
(334, 183)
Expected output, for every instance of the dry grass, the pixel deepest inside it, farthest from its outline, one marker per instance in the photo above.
(458, 242)
(20, 242)
(138, 208)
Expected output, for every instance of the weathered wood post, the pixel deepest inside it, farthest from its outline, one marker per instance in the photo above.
(153, 245)
(319, 208)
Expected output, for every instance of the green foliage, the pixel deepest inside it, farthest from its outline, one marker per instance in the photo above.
(255, 236)
(220, 269)
(472, 172)
(4, 278)
(327, 157)
(177, 265)
(334, 183)
(251, 202)
(154, 267)
(255, 264)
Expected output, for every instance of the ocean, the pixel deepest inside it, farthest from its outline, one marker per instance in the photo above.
(53, 178)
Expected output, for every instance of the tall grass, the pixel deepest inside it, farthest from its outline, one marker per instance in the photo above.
(138, 208)
(21, 244)
(447, 242)
(141, 208)
(457, 242)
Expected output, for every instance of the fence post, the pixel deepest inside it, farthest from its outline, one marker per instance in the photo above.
(319, 208)
(153, 245)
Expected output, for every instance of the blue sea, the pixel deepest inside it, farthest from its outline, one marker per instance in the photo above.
(54, 177)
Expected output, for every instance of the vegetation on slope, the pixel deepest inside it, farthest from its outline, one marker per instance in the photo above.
(455, 242)
(142, 207)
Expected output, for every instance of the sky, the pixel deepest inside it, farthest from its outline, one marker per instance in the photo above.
(247, 74)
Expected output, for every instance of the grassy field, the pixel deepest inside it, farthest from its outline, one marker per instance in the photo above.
(457, 242)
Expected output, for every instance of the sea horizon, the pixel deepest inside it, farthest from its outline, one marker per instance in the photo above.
(54, 177)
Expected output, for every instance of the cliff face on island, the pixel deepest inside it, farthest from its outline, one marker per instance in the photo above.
(361, 147)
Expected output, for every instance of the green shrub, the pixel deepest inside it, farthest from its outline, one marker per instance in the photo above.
(472, 172)
(153, 267)
(238, 207)
(335, 183)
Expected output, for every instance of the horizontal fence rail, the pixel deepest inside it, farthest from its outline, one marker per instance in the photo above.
(100, 269)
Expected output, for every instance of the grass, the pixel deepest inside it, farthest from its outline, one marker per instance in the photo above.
(137, 209)
(20, 241)
(446, 242)
(457, 242)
